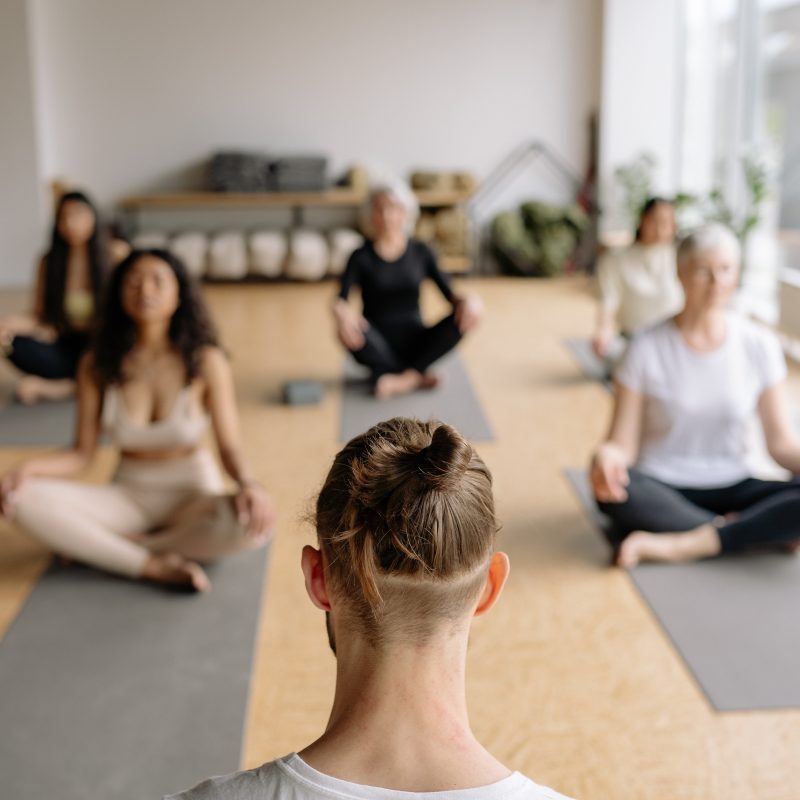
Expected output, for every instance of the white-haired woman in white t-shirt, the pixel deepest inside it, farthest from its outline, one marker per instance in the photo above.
(673, 473)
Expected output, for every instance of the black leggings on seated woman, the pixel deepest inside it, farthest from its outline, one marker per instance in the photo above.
(766, 512)
(397, 345)
(51, 360)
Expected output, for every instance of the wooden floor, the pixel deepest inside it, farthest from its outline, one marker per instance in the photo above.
(571, 680)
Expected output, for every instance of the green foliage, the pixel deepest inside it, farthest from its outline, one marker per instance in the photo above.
(538, 239)
(635, 179)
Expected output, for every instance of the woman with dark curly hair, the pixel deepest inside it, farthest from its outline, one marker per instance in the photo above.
(47, 344)
(154, 378)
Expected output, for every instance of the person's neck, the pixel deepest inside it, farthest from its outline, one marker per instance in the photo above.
(703, 328)
(78, 253)
(391, 245)
(152, 339)
(399, 719)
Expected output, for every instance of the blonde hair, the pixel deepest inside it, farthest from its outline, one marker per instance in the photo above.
(407, 524)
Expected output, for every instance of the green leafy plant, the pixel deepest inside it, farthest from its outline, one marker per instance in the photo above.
(636, 181)
(714, 207)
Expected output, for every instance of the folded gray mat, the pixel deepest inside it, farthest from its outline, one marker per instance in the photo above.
(592, 367)
(732, 619)
(453, 402)
(43, 424)
(113, 689)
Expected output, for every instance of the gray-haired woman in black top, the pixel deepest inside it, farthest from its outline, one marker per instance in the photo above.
(389, 336)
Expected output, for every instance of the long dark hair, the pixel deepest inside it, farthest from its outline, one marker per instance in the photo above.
(55, 264)
(190, 328)
(649, 205)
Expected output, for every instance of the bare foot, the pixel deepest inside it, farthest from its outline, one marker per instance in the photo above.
(175, 570)
(430, 380)
(700, 542)
(31, 389)
(393, 384)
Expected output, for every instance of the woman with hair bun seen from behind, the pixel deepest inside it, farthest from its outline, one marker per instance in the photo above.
(405, 559)
(46, 345)
(154, 381)
(673, 474)
(389, 335)
(638, 284)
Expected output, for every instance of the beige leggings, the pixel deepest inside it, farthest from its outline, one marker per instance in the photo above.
(175, 506)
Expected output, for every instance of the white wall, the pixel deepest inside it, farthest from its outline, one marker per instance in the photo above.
(640, 94)
(20, 212)
(135, 96)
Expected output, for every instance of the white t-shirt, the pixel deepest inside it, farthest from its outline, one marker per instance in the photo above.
(640, 283)
(698, 407)
(290, 778)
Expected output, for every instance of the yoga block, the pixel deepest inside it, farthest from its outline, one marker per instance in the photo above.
(302, 393)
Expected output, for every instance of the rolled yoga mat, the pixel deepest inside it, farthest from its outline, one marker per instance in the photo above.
(115, 689)
(454, 402)
(46, 424)
(733, 620)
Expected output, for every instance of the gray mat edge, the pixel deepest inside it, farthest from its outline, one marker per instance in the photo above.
(593, 517)
(354, 373)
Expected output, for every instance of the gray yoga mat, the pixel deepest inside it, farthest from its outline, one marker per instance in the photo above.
(49, 424)
(115, 689)
(592, 367)
(734, 620)
(454, 402)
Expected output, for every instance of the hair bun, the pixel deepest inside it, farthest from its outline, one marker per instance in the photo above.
(446, 458)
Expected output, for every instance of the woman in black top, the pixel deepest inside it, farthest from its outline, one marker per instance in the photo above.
(389, 336)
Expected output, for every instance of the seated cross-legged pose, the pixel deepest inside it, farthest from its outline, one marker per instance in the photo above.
(390, 337)
(46, 345)
(673, 474)
(406, 558)
(152, 381)
(638, 284)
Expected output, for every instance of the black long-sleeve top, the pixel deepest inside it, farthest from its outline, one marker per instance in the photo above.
(390, 289)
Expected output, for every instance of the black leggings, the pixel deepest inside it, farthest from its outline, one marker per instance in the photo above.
(767, 512)
(406, 344)
(52, 360)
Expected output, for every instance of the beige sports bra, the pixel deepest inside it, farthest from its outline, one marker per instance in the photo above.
(182, 427)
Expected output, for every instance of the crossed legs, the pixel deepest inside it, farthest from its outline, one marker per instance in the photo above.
(400, 355)
(666, 523)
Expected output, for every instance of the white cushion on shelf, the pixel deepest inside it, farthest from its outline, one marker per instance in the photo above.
(227, 256)
(268, 251)
(343, 242)
(149, 240)
(192, 249)
(308, 255)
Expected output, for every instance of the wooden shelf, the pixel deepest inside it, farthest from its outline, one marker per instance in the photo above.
(336, 197)
(432, 198)
(458, 264)
(330, 197)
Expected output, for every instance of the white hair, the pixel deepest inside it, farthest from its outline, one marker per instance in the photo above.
(711, 236)
(400, 192)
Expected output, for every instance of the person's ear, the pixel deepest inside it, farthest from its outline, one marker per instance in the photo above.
(496, 577)
(314, 573)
